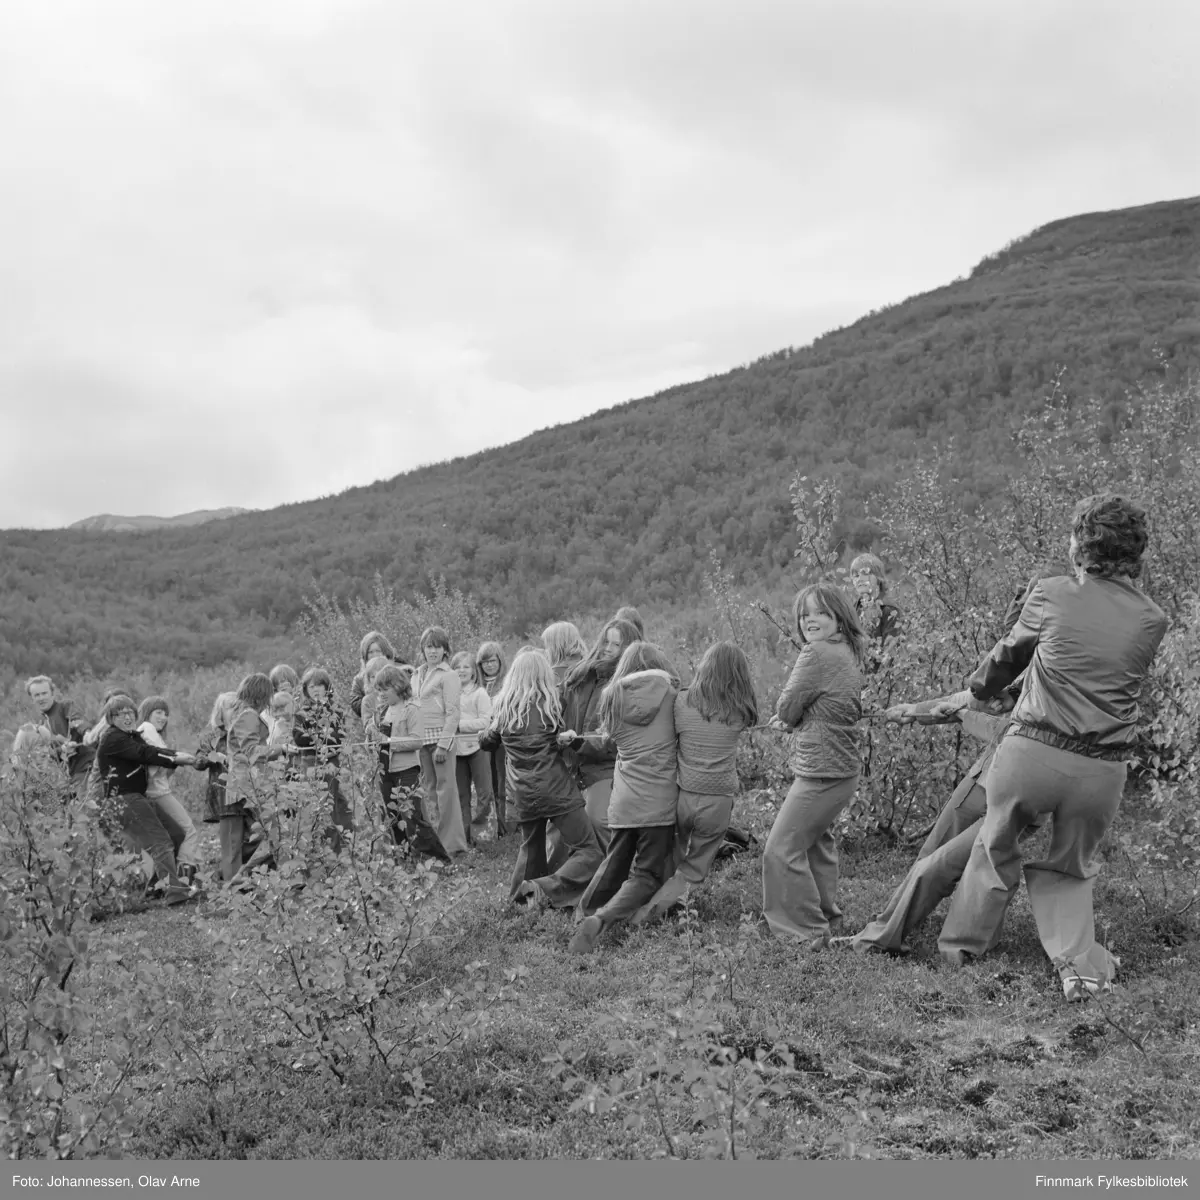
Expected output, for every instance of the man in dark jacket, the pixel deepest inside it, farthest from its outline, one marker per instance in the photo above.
(65, 725)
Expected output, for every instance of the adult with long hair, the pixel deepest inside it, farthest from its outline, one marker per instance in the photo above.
(820, 705)
(1088, 643)
(437, 690)
(246, 746)
(593, 759)
(123, 757)
(710, 716)
(527, 718)
(946, 850)
(637, 712)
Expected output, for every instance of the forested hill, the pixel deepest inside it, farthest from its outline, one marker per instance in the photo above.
(621, 505)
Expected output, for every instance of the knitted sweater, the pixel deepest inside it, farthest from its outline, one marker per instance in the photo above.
(821, 703)
(474, 712)
(707, 751)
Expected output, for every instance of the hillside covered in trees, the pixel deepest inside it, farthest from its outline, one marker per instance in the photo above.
(622, 506)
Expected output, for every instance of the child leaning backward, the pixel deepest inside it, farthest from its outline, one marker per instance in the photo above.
(526, 721)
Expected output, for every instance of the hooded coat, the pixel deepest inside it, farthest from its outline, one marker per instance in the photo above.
(645, 790)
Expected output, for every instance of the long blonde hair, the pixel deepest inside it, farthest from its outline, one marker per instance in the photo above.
(529, 685)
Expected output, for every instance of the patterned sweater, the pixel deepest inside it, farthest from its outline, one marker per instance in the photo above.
(822, 704)
(707, 752)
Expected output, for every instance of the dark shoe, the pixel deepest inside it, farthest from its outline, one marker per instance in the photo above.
(586, 936)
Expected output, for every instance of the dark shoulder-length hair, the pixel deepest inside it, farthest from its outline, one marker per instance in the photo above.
(833, 601)
(723, 687)
(595, 656)
(375, 638)
(1111, 536)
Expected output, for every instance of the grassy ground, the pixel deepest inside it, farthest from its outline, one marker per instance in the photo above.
(899, 1059)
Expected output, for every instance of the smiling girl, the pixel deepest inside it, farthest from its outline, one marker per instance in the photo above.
(820, 705)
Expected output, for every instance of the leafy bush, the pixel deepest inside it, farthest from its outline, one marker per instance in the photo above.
(336, 632)
(57, 873)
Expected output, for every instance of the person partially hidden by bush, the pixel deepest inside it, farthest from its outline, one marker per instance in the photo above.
(878, 616)
(123, 757)
(317, 734)
(66, 727)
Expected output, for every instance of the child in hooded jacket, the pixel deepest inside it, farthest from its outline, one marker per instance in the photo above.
(710, 717)
(526, 720)
(637, 713)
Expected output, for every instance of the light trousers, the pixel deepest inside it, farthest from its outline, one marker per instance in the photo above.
(1029, 779)
(800, 859)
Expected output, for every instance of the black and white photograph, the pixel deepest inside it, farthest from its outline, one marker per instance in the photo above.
(589, 582)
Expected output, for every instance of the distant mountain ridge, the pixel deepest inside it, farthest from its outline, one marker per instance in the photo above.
(108, 523)
(623, 506)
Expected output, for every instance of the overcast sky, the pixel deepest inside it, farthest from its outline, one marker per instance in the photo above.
(257, 251)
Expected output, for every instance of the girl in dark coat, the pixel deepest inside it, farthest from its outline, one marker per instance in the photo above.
(526, 721)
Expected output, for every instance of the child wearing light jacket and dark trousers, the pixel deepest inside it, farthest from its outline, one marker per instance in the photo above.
(637, 712)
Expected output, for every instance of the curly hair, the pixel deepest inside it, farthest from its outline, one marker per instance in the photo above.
(1110, 536)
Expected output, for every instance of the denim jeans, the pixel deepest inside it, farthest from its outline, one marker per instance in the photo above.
(179, 825)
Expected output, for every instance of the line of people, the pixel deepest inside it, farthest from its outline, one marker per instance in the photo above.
(622, 782)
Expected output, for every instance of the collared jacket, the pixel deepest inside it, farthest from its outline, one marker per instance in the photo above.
(822, 704)
(1088, 647)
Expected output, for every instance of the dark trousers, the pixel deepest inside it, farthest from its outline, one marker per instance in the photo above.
(632, 871)
(564, 886)
(140, 820)
(499, 770)
(413, 828)
(474, 769)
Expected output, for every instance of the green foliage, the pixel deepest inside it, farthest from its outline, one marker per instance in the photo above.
(611, 509)
(335, 631)
(60, 997)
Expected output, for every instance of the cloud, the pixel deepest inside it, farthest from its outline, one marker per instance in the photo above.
(260, 251)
